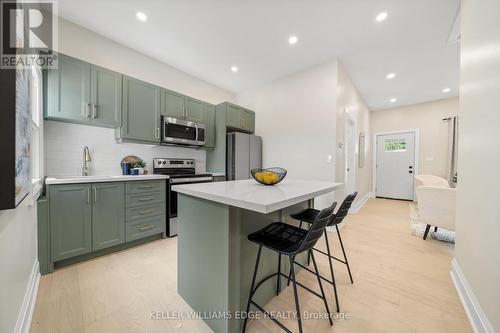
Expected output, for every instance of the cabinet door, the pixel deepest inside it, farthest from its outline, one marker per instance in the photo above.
(68, 91)
(233, 116)
(172, 104)
(209, 126)
(106, 97)
(141, 111)
(70, 220)
(108, 214)
(195, 110)
(248, 120)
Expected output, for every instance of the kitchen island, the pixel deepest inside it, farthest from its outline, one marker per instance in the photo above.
(215, 259)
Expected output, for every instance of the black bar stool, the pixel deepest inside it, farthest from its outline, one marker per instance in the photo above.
(309, 215)
(290, 241)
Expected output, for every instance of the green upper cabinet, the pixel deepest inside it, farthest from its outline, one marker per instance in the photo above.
(195, 110)
(82, 93)
(172, 104)
(106, 97)
(68, 91)
(209, 125)
(233, 115)
(141, 111)
(239, 118)
(70, 211)
(108, 214)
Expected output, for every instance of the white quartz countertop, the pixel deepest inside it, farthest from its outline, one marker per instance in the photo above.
(248, 194)
(100, 179)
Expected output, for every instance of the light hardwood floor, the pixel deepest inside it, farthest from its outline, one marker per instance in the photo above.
(401, 284)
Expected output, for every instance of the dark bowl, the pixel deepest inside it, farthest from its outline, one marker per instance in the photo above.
(269, 176)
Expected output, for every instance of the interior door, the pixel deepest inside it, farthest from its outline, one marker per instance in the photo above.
(395, 166)
(350, 155)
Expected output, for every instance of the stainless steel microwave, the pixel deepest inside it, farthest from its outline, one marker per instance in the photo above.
(182, 132)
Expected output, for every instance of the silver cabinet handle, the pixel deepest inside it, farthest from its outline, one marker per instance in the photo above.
(88, 195)
(149, 211)
(157, 132)
(94, 111)
(187, 112)
(86, 111)
(145, 186)
(146, 199)
(146, 227)
(95, 195)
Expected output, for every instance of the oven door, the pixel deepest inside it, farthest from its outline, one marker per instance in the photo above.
(172, 202)
(178, 131)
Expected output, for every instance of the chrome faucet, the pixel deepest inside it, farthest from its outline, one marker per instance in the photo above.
(86, 160)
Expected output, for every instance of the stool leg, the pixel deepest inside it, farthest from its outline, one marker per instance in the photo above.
(295, 295)
(300, 225)
(321, 288)
(343, 251)
(278, 283)
(250, 296)
(331, 271)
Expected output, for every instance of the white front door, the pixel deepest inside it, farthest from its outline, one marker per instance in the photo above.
(395, 166)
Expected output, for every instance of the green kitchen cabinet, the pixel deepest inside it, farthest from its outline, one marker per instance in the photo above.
(70, 211)
(82, 93)
(172, 104)
(108, 214)
(68, 91)
(141, 112)
(195, 110)
(248, 120)
(209, 125)
(238, 117)
(105, 97)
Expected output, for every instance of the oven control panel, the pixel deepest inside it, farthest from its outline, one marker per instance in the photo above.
(173, 163)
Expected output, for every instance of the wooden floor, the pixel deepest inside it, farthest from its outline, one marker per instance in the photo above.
(401, 284)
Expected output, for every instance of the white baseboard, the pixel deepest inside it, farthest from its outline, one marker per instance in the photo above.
(359, 202)
(23, 323)
(477, 317)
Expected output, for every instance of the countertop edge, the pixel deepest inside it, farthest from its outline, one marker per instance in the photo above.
(62, 181)
(259, 208)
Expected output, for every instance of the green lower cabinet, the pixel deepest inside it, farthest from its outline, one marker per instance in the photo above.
(108, 215)
(70, 220)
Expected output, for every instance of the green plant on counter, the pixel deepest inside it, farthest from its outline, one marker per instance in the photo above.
(139, 164)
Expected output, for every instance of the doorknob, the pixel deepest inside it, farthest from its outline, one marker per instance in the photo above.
(348, 169)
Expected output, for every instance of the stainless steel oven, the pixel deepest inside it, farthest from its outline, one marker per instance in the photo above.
(181, 171)
(182, 132)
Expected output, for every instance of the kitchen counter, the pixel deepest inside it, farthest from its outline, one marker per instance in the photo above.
(250, 195)
(214, 220)
(100, 179)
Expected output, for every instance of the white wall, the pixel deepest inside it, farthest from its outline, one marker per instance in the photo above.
(18, 255)
(295, 116)
(348, 98)
(477, 249)
(64, 142)
(428, 118)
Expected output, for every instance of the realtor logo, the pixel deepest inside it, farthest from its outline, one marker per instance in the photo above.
(28, 33)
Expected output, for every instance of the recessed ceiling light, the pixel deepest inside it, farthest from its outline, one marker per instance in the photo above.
(393, 100)
(292, 40)
(446, 90)
(381, 16)
(234, 69)
(390, 76)
(141, 16)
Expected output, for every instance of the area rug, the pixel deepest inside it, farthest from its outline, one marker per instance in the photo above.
(418, 227)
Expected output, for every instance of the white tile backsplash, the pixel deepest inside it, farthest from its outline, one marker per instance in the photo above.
(64, 142)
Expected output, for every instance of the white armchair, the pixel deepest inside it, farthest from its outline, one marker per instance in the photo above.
(436, 205)
(430, 180)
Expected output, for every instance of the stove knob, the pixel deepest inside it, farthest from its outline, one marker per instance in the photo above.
(164, 162)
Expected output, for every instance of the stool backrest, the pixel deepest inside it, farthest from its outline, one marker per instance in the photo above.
(317, 228)
(343, 209)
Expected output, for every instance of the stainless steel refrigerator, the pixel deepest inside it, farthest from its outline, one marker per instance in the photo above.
(244, 153)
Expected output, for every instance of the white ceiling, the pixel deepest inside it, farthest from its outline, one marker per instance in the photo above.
(205, 38)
